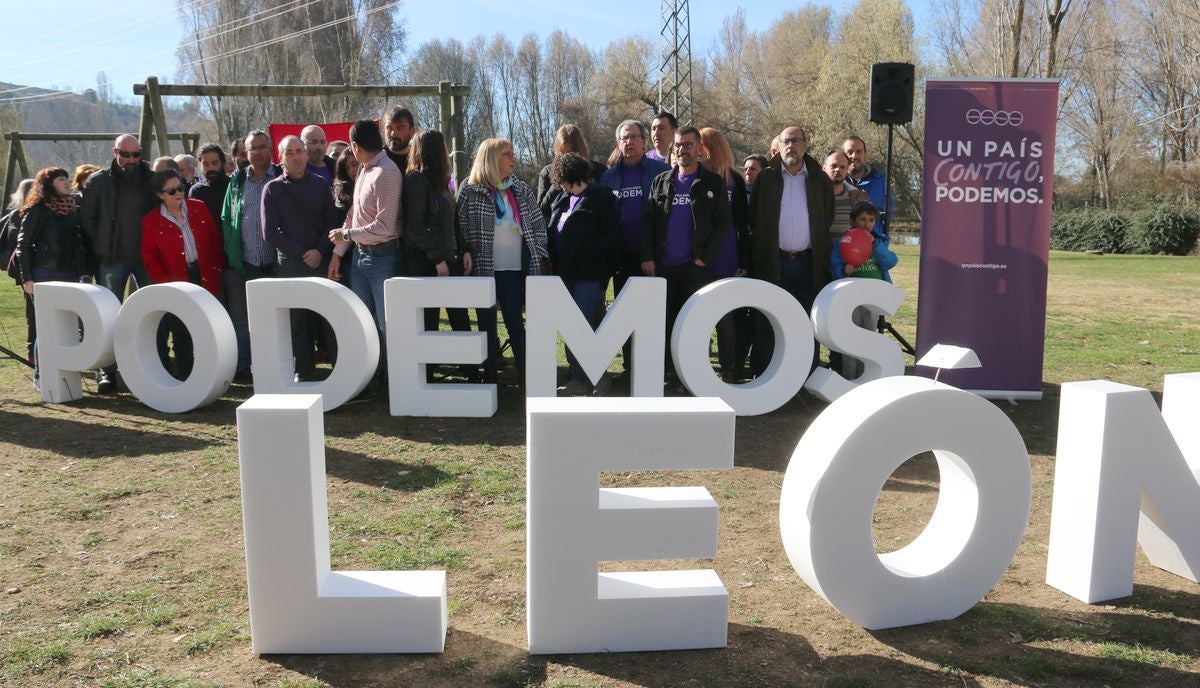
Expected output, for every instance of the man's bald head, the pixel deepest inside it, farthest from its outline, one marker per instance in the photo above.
(127, 151)
(314, 144)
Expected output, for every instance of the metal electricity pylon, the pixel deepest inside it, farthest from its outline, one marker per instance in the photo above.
(675, 69)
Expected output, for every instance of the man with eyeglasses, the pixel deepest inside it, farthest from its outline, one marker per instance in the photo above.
(315, 144)
(684, 224)
(247, 252)
(791, 209)
(114, 202)
(630, 179)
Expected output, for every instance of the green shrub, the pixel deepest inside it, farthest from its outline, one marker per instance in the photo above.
(1089, 230)
(1066, 230)
(1164, 230)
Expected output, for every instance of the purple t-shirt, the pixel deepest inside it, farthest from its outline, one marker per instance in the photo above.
(562, 220)
(630, 204)
(725, 264)
(653, 154)
(680, 225)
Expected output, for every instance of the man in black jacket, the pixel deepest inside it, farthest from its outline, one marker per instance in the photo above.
(114, 202)
(685, 222)
(791, 209)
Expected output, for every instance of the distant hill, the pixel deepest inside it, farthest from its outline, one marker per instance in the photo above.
(79, 113)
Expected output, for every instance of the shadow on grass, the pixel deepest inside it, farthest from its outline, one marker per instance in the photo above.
(374, 471)
(996, 639)
(755, 656)
(54, 432)
(469, 660)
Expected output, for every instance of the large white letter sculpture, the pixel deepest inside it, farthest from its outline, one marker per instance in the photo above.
(793, 344)
(839, 468)
(268, 302)
(573, 525)
(831, 313)
(411, 348)
(213, 342)
(1123, 474)
(638, 312)
(59, 308)
(297, 604)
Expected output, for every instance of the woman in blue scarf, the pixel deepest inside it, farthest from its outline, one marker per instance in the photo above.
(506, 235)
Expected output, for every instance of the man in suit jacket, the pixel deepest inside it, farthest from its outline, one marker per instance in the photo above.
(791, 209)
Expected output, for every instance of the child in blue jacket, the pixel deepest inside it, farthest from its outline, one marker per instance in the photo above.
(863, 216)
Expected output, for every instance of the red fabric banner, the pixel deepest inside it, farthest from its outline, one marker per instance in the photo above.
(334, 131)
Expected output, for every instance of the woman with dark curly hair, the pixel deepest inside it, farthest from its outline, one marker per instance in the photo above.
(584, 238)
(50, 244)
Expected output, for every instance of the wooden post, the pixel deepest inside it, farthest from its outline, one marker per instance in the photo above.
(19, 154)
(160, 116)
(10, 174)
(146, 125)
(444, 108)
(458, 139)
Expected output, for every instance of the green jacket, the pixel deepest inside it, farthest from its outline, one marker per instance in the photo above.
(231, 216)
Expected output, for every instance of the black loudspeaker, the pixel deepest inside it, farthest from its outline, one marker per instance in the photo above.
(891, 93)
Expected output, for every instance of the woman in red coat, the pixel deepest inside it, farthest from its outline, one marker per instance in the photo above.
(180, 243)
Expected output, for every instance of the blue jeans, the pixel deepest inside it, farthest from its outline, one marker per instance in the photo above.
(587, 296)
(510, 294)
(373, 267)
(796, 278)
(114, 276)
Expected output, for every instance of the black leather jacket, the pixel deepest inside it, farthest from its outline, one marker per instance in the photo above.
(50, 240)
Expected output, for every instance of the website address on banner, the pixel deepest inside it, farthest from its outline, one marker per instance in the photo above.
(985, 266)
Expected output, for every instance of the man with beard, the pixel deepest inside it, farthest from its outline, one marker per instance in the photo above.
(662, 136)
(297, 214)
(398, 130)
(114, 202)
(685, 222)
(865, 176)
(845, 196)
(211, 187)
(791, 209)
(315, 144)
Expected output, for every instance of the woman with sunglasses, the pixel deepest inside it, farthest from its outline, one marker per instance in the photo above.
(180, 243)
(50, 243)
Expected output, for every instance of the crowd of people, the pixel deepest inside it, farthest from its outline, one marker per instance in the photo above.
(669, 202)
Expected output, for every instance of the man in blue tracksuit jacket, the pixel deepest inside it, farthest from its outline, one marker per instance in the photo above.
(630, 178)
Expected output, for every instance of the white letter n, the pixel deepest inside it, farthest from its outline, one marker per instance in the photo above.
(1124, 474)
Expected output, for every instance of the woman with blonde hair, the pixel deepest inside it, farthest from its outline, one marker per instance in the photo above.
(505, 234)
(82, 172)
(733, 330)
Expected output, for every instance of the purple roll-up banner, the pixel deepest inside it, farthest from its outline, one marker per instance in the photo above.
(985, 229)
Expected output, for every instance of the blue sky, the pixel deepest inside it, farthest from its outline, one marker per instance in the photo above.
(136, 38)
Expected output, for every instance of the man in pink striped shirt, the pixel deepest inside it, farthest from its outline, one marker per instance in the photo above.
(371, 224)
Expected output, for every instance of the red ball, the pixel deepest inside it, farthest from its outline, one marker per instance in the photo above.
(855, 246)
